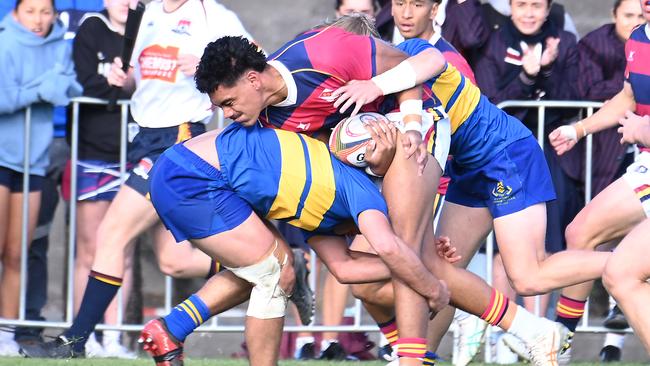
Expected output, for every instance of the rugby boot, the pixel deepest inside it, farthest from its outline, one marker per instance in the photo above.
(165, 349)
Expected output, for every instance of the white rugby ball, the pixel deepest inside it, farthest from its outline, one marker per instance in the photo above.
(350, 138)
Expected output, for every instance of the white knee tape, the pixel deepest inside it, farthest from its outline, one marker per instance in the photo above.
(267, 299)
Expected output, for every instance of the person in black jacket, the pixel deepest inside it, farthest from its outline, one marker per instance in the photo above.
(98, 41)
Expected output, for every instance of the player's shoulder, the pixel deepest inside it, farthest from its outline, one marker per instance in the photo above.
(414, 46)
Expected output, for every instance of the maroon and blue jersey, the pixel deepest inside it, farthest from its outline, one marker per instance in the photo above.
(637, 70)
(314, 65)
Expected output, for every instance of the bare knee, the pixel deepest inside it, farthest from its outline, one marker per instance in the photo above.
(617, 280)
(362, 292)
(11, 260)
(173, 267)
(577, 235)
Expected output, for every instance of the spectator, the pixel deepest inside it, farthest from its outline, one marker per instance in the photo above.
(347, 7)
(30, 32)
(98, 42)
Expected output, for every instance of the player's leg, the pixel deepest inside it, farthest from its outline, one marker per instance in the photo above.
(467, 228)
(610, 215)
(410, 200)
(195, 263)
(522, 248)
(626, 276)
(10, 282)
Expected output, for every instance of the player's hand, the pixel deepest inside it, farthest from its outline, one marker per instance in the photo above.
(116, 76)
(381, 150)
(439, 298)
(445, 250)
(563, 138)
(631, 127)
(187, 64)
(413, 144)
(357, 92)
(550, 52)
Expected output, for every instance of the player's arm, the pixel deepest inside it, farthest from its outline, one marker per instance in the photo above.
(402, 261)
(565, 137)
(396, 72)
(348, 266)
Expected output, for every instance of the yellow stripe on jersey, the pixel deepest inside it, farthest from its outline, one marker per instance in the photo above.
(293, 175)
(322, 190)
(458, 95)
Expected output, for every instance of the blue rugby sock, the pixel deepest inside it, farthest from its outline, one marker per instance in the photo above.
(100, 291)
(186, 317)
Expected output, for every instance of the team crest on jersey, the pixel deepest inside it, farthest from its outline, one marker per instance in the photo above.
(630, 57)
(183, 27)
(502, 193)
(327, 96)
(303, 126)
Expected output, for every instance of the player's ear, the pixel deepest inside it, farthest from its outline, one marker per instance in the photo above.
(434, 10)
(253, 78)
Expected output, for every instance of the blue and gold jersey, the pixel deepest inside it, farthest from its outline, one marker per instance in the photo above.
(293, 178)
(478, 128)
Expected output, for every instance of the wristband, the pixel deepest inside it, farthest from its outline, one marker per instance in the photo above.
(400, 77)
(413, 126)
(583, 128)
(370, 172)
(411, 106)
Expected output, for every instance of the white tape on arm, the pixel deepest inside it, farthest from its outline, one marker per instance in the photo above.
(568, 132)
(411, 107)
(400, 77)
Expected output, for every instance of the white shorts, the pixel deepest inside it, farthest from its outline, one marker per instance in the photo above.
(441, 130)
(267, 300)
(637, 176)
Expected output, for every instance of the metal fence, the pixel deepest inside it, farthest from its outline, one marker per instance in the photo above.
(213, 325)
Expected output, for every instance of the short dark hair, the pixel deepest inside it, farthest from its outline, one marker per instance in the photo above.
(20, 1)
(225, 61)
(375, 6)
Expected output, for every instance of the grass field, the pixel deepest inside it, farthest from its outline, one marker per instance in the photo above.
(211, 362)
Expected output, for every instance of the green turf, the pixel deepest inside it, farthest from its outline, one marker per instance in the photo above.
(212, 362)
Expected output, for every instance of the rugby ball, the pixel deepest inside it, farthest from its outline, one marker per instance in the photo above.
(350, 138)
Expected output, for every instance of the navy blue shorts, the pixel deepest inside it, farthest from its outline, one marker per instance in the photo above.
(517, 177)
(192, 197)
(14, 181)
(147, 146)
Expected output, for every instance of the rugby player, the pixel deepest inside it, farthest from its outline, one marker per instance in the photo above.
(622, 205)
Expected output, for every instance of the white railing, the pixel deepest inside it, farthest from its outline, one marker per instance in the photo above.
(213, 325)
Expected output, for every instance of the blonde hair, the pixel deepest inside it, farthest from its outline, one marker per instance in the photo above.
(358, 23)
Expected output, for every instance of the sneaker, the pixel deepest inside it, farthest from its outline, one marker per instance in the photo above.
(306, 352)
(161, 344)
(471, 335)
(93, 348)
(386, 353)
(565, 358)
(616, 319)
(333, 352)
(60, 347)
(549, 344)
(516, 345)
(115, 349)
(9, 348)
(610, 354)
(302, 294)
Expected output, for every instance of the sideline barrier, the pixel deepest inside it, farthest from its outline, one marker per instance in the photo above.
(213, 325)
